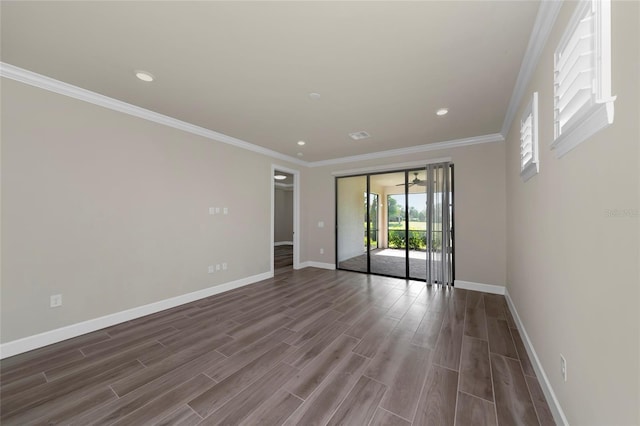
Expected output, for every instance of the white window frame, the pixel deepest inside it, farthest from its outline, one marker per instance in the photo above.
(529, 163)
(596, 112)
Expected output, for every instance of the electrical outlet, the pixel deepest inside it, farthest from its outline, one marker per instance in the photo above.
(55, 300)
(224, 266)
(212, 269)
(563, 367)
(321, 251)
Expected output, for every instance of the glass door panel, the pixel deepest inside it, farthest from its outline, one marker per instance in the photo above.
(351, 243)
(417, 229)
(389, 258)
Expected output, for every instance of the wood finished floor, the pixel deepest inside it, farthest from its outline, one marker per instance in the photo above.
(308, 347)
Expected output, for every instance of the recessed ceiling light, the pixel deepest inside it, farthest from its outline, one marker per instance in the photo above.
(356, 136)
(301, 143)
(144, 76)
(314, 96)
(442, 111)
(300, 154)
(279, 177)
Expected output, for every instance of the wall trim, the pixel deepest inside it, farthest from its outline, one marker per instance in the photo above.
(283, 243)
(486, 288)
(545, 19)
(36, 341)
(456, 143)
(549, 394)
(391, 167)
(47, 83)
(312, 264)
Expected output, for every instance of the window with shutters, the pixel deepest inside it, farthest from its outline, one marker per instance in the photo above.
(583, 103)
(529, 140)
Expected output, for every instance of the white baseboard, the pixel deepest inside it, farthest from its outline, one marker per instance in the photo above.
(283, 243)
(486, 288)
(25, 344)
(312, 264)
(554, 404)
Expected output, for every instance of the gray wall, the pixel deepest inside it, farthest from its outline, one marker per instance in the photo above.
(572, 270)
(111, 211)
(283, 210)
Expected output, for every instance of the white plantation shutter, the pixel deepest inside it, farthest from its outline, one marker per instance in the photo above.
(582, 76)
(529, 140)
(574, 74)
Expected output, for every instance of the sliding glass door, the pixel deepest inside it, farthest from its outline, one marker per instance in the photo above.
(389, 257)
(351, 220)
(397, 224)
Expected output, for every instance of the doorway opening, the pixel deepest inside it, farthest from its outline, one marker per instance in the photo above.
(406, 218)
(285, 198)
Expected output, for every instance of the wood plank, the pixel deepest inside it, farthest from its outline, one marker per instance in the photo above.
(539, 402)
(308, 333)
(183, 416)
(372, 340)
(360, 404)
(319, 407)
(527, 367)
(251, 398)
(65, 390)
(449, 345)
(135, 381)
(403, 367)
(438, 400)
(494, 306)
(218, 395)
(307, 380)
(365, 322)
(51, 414)
(475, 369)
(126, 340)
(235, 362)
(475, 323)
(303, 356)
(513, 402)
(474, 411)
(253, 333)
(429, 329)
(500, 340)
(108, 413)
(21, 384)
(275, 410)
(386, 418)
(402, 325)
(413, 317)
(167, 403)
(127, 354)
(401, 306)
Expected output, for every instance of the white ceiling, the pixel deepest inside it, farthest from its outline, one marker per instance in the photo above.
(245, 69)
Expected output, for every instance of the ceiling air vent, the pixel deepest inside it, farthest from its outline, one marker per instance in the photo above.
(356, 136)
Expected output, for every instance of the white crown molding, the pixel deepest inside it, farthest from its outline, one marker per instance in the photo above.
(36, 341)
(392, 167)
(456, 143)
(43, 82)
(545, 19)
